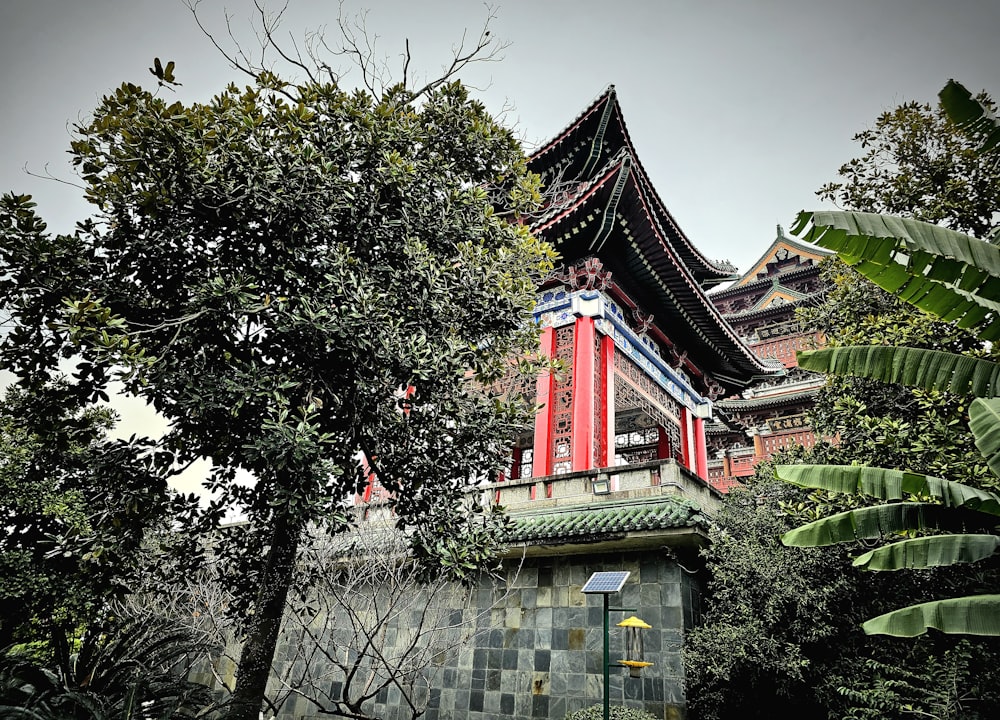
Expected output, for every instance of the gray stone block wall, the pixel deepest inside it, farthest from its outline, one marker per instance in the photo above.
(538, 652)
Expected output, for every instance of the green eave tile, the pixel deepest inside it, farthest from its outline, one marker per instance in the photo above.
(595, 521)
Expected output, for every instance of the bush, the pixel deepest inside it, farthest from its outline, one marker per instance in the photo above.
(615, 712)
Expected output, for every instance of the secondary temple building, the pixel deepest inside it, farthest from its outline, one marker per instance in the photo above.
(771, 414)
(614, 475)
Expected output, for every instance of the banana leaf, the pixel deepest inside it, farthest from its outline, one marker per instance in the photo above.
(876, 521)
(913, 367)
(932, 551)
(984, 421)
(974, 615)
(947, 273)
(888, 485)
(970, 115)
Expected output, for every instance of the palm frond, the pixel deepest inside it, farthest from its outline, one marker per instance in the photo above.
(984, 422)
(876, 521)
(913, 367)
(972, 615)
(932, 551)
(970, 115)
(947, 273)
(888, 484)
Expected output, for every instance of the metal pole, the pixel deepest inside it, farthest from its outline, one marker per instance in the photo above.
(607, 663)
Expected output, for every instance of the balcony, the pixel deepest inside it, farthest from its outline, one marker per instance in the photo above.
(656, 478)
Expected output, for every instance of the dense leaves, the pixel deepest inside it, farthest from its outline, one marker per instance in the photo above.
(847, 674)
(128, 667)
(918, 163)
(76, 506)
(937, 264)
(316, 288)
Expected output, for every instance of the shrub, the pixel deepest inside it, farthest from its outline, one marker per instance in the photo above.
(615, 712)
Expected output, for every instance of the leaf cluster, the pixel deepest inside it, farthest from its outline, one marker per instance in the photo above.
(918, 163)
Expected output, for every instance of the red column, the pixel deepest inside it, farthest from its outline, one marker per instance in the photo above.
(663, 449)
(606, 442)
(583, 394)
(541, 463)
(686, 458)
(700, 449)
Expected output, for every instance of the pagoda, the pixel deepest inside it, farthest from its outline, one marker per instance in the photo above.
(643, 351)
(760, 306)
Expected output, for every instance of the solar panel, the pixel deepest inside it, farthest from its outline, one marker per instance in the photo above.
(606, 582)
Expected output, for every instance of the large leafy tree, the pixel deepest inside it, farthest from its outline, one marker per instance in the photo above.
(317, 289)
(766, 641)
(923, 263)
(919, 162)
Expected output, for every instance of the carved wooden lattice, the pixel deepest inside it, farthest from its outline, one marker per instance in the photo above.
(635, 390)
(562, 403)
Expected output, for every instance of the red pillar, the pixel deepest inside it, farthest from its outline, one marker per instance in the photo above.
(686, 458)
(541, 463)
(583, 394)
(663, 449)
(606, 441)
(700, 449)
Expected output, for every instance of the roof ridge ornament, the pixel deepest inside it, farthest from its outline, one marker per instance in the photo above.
(586, 275)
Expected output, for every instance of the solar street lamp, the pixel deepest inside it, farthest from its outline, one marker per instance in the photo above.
(604, 584)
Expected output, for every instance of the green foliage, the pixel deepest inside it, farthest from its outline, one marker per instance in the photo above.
(128, 668)
(774, 620)
(954, 277)
(918, 163)
(76, 506)
(296, 278)
(948, 685)
(781, 634)
(814, 660)
(947, 273)
(921, 429)
(615, 712)
(953, 501)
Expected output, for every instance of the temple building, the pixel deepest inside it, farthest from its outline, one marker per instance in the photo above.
(645, 352)
(771, 414)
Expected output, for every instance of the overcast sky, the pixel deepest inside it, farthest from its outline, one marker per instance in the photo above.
(739, 109)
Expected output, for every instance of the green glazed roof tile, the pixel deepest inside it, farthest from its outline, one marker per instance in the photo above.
(596, 522)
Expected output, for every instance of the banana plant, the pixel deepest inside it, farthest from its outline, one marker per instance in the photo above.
(956, 278)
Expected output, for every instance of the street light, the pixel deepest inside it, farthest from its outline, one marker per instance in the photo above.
(604, 584)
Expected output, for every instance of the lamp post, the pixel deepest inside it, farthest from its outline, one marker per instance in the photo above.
(604, 584)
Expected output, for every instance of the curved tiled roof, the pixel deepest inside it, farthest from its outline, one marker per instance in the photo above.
(587, 145)
(609, 217)
(765, 401)
(594, 523)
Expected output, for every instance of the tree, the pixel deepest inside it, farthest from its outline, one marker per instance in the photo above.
(954, 277)
(920, 163)
(298, 277)
(76, 506)
(934, 261)
(844, 673)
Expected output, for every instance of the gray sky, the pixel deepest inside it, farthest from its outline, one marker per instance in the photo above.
(740, 110)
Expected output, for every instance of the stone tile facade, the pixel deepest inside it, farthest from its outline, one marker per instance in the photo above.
(538, 651)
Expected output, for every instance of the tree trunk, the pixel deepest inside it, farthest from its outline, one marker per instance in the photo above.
(254, 667)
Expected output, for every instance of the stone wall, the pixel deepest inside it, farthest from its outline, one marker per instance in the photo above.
(537, 649)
